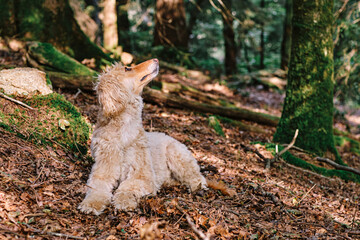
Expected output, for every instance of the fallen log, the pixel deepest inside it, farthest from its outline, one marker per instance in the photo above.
(86, 83)
(70, 81)
(171, 100)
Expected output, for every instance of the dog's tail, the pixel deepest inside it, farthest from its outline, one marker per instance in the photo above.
(221, 186)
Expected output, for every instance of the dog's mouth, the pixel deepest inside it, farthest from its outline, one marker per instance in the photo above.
(150, 76)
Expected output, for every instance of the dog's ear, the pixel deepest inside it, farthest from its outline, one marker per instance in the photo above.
(112, 99)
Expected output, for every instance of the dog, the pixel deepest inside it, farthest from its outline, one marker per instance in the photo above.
(137, 162)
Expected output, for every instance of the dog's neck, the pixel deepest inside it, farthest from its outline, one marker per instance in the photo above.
(129, 118)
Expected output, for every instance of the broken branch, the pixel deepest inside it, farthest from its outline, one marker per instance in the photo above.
(16, 101)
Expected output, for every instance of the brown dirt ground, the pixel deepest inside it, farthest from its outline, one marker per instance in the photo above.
(41, 187)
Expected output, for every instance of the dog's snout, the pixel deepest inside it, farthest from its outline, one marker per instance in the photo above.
(156, 60)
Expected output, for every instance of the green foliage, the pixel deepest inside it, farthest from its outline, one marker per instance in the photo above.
(44, 128)
(288, 157)
(347, 47)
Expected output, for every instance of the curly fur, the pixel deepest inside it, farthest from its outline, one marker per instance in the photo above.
(127, 158)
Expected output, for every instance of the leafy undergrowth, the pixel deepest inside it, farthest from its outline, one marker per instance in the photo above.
(41, 188)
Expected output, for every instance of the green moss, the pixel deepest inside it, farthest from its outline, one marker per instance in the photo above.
(43, 128)
(215, 124)
(54, 60)
(288, 157)
(308, 104)
(343, 140)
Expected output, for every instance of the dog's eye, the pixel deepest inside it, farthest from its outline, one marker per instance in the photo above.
(127, 69)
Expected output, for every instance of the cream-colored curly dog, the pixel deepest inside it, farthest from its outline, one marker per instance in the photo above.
(126, 156)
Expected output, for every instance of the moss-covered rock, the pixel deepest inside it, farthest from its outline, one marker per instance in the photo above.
(43, 126)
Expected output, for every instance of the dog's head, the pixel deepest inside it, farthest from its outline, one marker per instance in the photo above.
(118, 85)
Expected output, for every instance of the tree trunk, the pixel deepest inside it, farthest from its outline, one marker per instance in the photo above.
(229, 39)
(170, 24)
(49, 21)
(262, 39)
(286, 41)
(109, 20)
(308, 104)
(123, 24)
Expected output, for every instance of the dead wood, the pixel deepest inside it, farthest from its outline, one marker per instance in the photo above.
(172, 100)
(338, 166)
(70, 81)
(86, 83)
(16, 101)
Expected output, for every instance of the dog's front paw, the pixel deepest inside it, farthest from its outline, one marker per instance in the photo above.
(126, 201)
(94, 204)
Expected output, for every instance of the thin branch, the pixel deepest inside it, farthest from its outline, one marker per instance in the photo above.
(66, 236)
(306, 194)
(338, 166)
(198, 232)
(16, 101)
(289, 146)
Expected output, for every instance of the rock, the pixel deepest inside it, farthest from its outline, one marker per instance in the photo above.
(24, 81)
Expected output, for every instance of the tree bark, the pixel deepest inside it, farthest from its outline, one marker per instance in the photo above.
(229, 39)
(109, 20)
(170, 24)
(286, 41)
(49, 21)
(308, 104)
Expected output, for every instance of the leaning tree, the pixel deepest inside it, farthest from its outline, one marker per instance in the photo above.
(50, 21)
(308, 104)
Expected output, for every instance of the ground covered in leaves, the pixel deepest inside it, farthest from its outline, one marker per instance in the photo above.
(41, 186)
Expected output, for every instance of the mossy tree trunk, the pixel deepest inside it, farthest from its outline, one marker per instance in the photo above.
(49, 21)
(286, 41)
(229, 38)
(170, 24)
(308, 104)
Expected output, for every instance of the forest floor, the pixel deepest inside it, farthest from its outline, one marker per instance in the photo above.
(41, 187)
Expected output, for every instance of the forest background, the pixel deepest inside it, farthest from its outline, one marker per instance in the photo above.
(229, 70)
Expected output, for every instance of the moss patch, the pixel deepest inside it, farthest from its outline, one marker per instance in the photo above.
(215, 124)
(353, 145)
(288, 157)
(42, 125)
(54, 60)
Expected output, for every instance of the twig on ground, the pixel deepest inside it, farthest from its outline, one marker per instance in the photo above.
(338, 166)
(277, 155)
(198, 232)
(307, 171)
(306, 194)
(289, 146)
(66, 236)
(254, 151)
(16, 101)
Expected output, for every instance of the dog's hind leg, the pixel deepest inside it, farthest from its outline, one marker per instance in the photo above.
(183, 166)
(104, 175)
